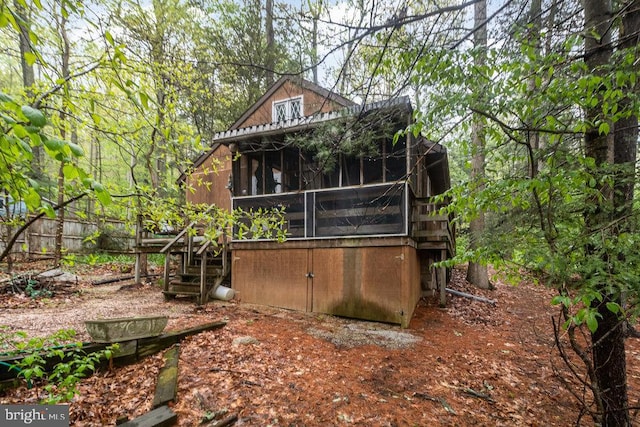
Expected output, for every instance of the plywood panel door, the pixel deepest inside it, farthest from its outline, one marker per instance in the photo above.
(272, 277)
(365, 283)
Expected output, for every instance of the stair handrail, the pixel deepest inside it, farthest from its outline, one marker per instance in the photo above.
(206, 243)
(183, 232)
(203, 247)
(179, 236)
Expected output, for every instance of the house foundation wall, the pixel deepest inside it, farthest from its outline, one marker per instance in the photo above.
(380, 283)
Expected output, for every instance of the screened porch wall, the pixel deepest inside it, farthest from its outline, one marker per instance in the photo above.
(271, 166)
(373, 210)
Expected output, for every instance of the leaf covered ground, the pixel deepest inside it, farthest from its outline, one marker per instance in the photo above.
(470, 363)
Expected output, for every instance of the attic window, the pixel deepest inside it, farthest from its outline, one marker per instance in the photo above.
(287, 109)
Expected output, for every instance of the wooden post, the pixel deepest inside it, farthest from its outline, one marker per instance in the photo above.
(224, 255)
(189, 251)
(138, 249)
(442, 279)
(408, 148)
(203, 279)
(167, 262)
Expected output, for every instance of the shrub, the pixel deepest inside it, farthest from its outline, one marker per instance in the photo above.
(71, 362)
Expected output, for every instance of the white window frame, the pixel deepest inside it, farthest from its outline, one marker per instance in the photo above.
(276, 106)
(290, 105)
(288, 110)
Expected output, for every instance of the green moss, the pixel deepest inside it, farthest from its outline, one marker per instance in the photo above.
(362, 309)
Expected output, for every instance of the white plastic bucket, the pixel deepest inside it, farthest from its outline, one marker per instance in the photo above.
(223, 293)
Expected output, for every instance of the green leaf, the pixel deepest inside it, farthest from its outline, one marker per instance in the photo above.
(613, 307)
(592, 322)
(33, 37)
(76, 149)
(25, 147)
(560, 299)
(603, 129)
(30, 57)
(35, 139)
(70, 171)
(54, 144)
(101, 193)
(104, 197)
(7, 119)
(35, 116)
(48, 210)
(144, 99)
(5, 98)
(35, 186)
(20, 131)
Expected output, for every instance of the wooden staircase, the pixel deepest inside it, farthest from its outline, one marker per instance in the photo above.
(202, 265)
(435, 236)
(430, 230)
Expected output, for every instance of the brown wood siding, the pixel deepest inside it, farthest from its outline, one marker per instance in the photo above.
(372, 283)
(208, 183)
(414, 290)
(312, 103)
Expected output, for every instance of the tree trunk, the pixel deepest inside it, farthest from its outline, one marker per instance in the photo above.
(476, 272)
(59, 240)
(533, 40)
(314, 49)
(157, 155)
(270, 53)
(608, 344)
(345, 73)
(610, 365)
(315, 9)
(626, 129)
(28, 77)
(66, 52)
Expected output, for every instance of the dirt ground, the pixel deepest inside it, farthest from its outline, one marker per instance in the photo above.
(470, 363)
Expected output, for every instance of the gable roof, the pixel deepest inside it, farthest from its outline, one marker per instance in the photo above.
(305, 84)
(350, 108)
(292, 125)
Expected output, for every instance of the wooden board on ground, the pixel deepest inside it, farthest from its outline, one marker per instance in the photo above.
(159, 417)
(167, 385)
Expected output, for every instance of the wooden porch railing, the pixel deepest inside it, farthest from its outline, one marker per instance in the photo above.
(430, 229)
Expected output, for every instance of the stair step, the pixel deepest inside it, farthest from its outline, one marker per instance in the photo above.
(186, 294)
(184, 290)
(186, 284)
(181, 287)
(187, 279)
(195, 271)
(198, 261)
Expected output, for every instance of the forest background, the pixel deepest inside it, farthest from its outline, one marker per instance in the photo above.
(104, 104)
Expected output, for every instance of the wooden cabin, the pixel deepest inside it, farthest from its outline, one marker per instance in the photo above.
(362, 233)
